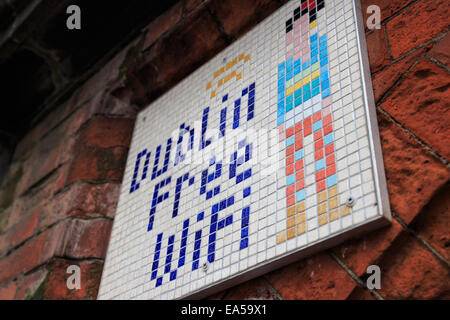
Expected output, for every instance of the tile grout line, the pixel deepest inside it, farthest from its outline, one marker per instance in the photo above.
(272, 288)
(421, 240)
(440, 64)
(388, 92)
(398, 12)
(415, 138)
(391, 57)
(226, 293)
(393, 61)
(394, 86)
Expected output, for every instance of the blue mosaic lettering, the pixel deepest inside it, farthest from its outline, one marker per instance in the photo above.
(178, 187)
(134, 184)
(156, 173)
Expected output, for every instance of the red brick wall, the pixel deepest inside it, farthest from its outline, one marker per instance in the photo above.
(58, 199)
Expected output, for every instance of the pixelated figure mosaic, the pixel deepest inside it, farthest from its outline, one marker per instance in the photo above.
(304, 80)
(249, 160)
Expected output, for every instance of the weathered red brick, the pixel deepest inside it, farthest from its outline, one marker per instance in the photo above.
(79, 117)
(15, 213)
(433, 223)
(62, 174)
(191, 5)
(33, 253)
(377, 48)
(417, 24)
(413, 174)
(4, 245)
(254, 289)
(117, 104)
(55, 286)
(10, 185)
(30, 284)
(59, 124)
(108, 133)
(360, 294)
(71, 126)
(410, 271)
(88, 238)
(387, 7)
(360, 253)
(318, 277)
(217, 296)
(25, 146)
(195, 40)
(421, 104)
(386, 78)
(39, 134)
(32, 200)
(25, 228)
(82, 200)
(163, 23)
(44, 160)
(108, 77)
(55, 120)
(102, 104)
(19, 232)
(441, 51)
(8, 292)
(4, 217)
(98, 165)
(238, 17)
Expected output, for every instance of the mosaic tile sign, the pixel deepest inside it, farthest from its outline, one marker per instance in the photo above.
(267, 153)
